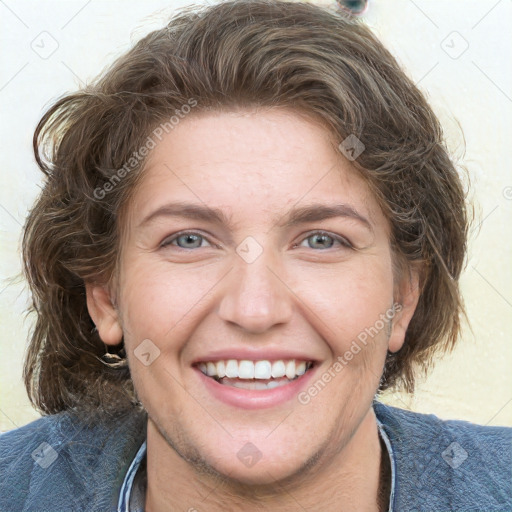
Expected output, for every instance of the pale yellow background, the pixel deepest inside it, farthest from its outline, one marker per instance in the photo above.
(475, 89)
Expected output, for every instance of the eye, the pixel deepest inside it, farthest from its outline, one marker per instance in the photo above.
(188, 240)
(320, 240)
(324, 240)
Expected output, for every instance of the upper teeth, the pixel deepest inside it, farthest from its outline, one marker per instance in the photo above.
(245, 369)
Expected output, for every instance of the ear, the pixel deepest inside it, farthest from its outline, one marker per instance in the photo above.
(104, 314)
(405, 305)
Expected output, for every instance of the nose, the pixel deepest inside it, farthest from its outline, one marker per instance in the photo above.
(255, 296)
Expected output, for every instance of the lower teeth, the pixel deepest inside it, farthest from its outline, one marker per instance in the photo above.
(255, 384)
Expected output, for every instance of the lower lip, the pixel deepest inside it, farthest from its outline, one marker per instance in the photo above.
(256, 398)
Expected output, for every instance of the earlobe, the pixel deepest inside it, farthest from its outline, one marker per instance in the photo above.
(404, 307)
(104, 314)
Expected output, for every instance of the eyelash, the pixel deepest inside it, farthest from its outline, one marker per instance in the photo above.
(341, 240)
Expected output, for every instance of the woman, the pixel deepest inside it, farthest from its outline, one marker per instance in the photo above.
(251, 226)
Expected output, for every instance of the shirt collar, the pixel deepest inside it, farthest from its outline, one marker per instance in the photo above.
(392, 461)
(132, 499)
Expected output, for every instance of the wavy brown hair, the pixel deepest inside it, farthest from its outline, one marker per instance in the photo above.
(236, 54)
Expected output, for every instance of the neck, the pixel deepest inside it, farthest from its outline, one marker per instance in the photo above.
(347, 479)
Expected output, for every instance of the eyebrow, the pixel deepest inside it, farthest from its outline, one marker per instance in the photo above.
(301, 215)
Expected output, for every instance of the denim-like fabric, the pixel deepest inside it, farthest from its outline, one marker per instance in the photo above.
(58, 463)
(61, 464)
(445, 466)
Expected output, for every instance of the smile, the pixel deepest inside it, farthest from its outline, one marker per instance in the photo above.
(263, 369)
(248, 383)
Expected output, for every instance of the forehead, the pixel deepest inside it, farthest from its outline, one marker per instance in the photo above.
(251, 164)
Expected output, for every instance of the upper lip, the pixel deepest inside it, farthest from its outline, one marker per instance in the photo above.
(254, 355)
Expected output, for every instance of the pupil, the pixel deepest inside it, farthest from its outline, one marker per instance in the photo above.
(322, 239)
(190, 238)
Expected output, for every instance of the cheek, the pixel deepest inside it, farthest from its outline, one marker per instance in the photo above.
(157, 299)
(347, 303)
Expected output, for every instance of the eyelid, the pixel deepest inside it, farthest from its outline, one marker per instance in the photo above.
(343, 241)
(171, 238)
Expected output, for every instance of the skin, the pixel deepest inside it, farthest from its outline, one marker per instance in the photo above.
(303, 292)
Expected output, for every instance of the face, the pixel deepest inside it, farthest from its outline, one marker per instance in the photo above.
(255, 294)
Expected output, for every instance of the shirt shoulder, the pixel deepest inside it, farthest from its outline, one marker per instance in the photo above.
(62, 462)
(448, 464)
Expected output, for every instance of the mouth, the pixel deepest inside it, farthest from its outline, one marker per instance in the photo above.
(257, 375)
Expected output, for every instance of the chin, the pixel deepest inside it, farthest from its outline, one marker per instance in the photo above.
(259, 461)
(263, 472)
